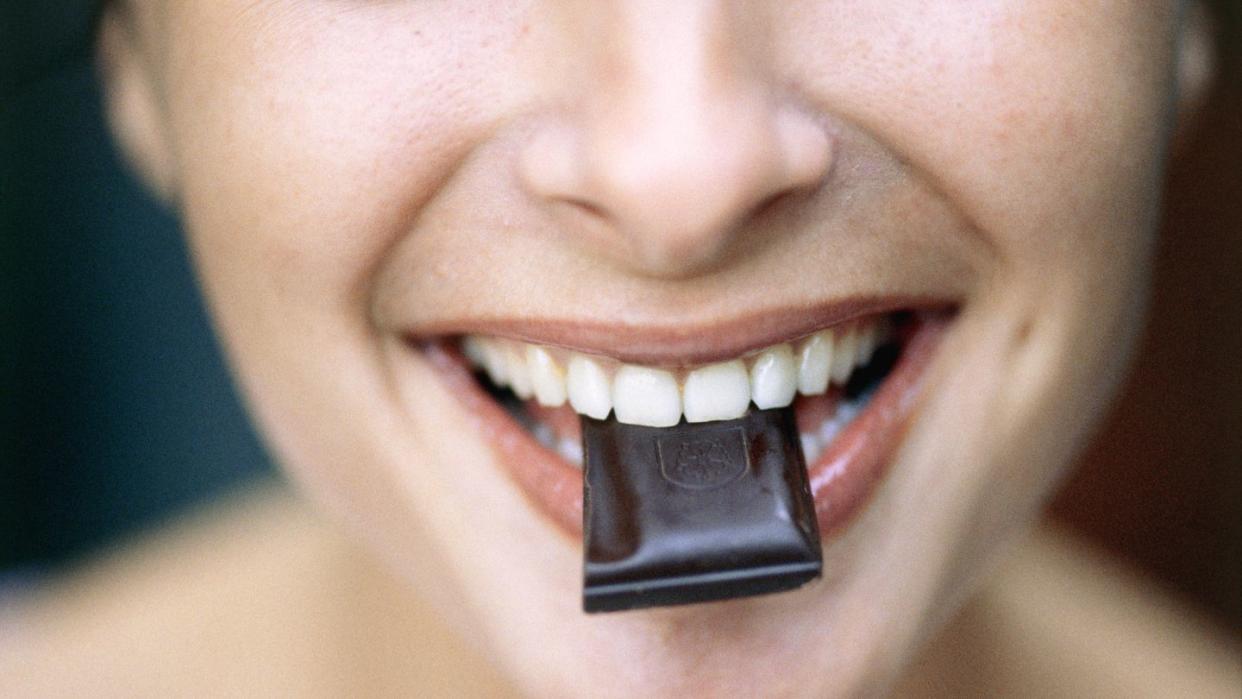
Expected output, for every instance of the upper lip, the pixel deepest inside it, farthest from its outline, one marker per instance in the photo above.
(685, 343)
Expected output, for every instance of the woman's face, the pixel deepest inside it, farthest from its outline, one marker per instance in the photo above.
(664, 184)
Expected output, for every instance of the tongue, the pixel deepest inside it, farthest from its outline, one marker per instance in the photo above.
(695, 512)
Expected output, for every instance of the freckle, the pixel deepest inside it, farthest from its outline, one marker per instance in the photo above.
(1022, 334)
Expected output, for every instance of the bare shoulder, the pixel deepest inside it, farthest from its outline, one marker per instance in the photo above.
(1061, 618)
(255, 596)
(258, 597)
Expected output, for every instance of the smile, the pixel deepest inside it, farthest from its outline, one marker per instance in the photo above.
(854, 385)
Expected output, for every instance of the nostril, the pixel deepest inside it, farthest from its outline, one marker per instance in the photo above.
(671, 186)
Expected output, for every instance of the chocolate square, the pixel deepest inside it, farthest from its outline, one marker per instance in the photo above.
(695, 512)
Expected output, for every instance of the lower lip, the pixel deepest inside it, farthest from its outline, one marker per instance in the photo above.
(842, 478)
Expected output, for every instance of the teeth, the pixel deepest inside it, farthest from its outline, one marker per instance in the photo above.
(475, 349)
(843, 356)
(518, 372)
(544, 434)
(644, 396)
(867, 336)
(570, 450)
(717, 392)
(495, 363)
(546, 377)
(811, 447)
(828, 431)
(588, 389)
(814, 362)
(659, 398)
(774, 378)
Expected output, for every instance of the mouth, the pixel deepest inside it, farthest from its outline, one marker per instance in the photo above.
(853, 383)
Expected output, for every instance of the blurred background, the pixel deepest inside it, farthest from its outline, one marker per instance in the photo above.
(117, 411)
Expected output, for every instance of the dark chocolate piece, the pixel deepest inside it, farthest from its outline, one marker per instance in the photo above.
(695, 512)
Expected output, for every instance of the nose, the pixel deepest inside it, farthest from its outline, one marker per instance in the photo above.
(678, 134)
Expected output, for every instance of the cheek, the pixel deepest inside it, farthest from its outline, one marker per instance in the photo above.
(308, 135)
(1045, 121)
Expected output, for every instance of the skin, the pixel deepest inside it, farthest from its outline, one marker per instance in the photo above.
(350, 172)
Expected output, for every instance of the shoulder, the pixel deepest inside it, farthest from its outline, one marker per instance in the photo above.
(255, 596)
(1061, 618)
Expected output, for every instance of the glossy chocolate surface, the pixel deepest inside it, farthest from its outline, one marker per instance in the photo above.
(695, 512)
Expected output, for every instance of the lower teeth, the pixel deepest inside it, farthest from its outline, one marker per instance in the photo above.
(813, 444)
(571, 451)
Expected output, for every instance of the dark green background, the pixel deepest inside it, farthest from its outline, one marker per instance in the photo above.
(115, 406)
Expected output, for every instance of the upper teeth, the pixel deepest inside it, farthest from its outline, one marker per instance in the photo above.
(642, 395)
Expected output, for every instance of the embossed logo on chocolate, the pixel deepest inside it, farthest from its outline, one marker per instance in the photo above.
(703, 461)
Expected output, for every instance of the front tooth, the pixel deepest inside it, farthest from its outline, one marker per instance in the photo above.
(717, 392)
(546, 377)
(587, 387)
(773, 378)
(644, 396)
(519, 373)
(843, 356)
(814, 362)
